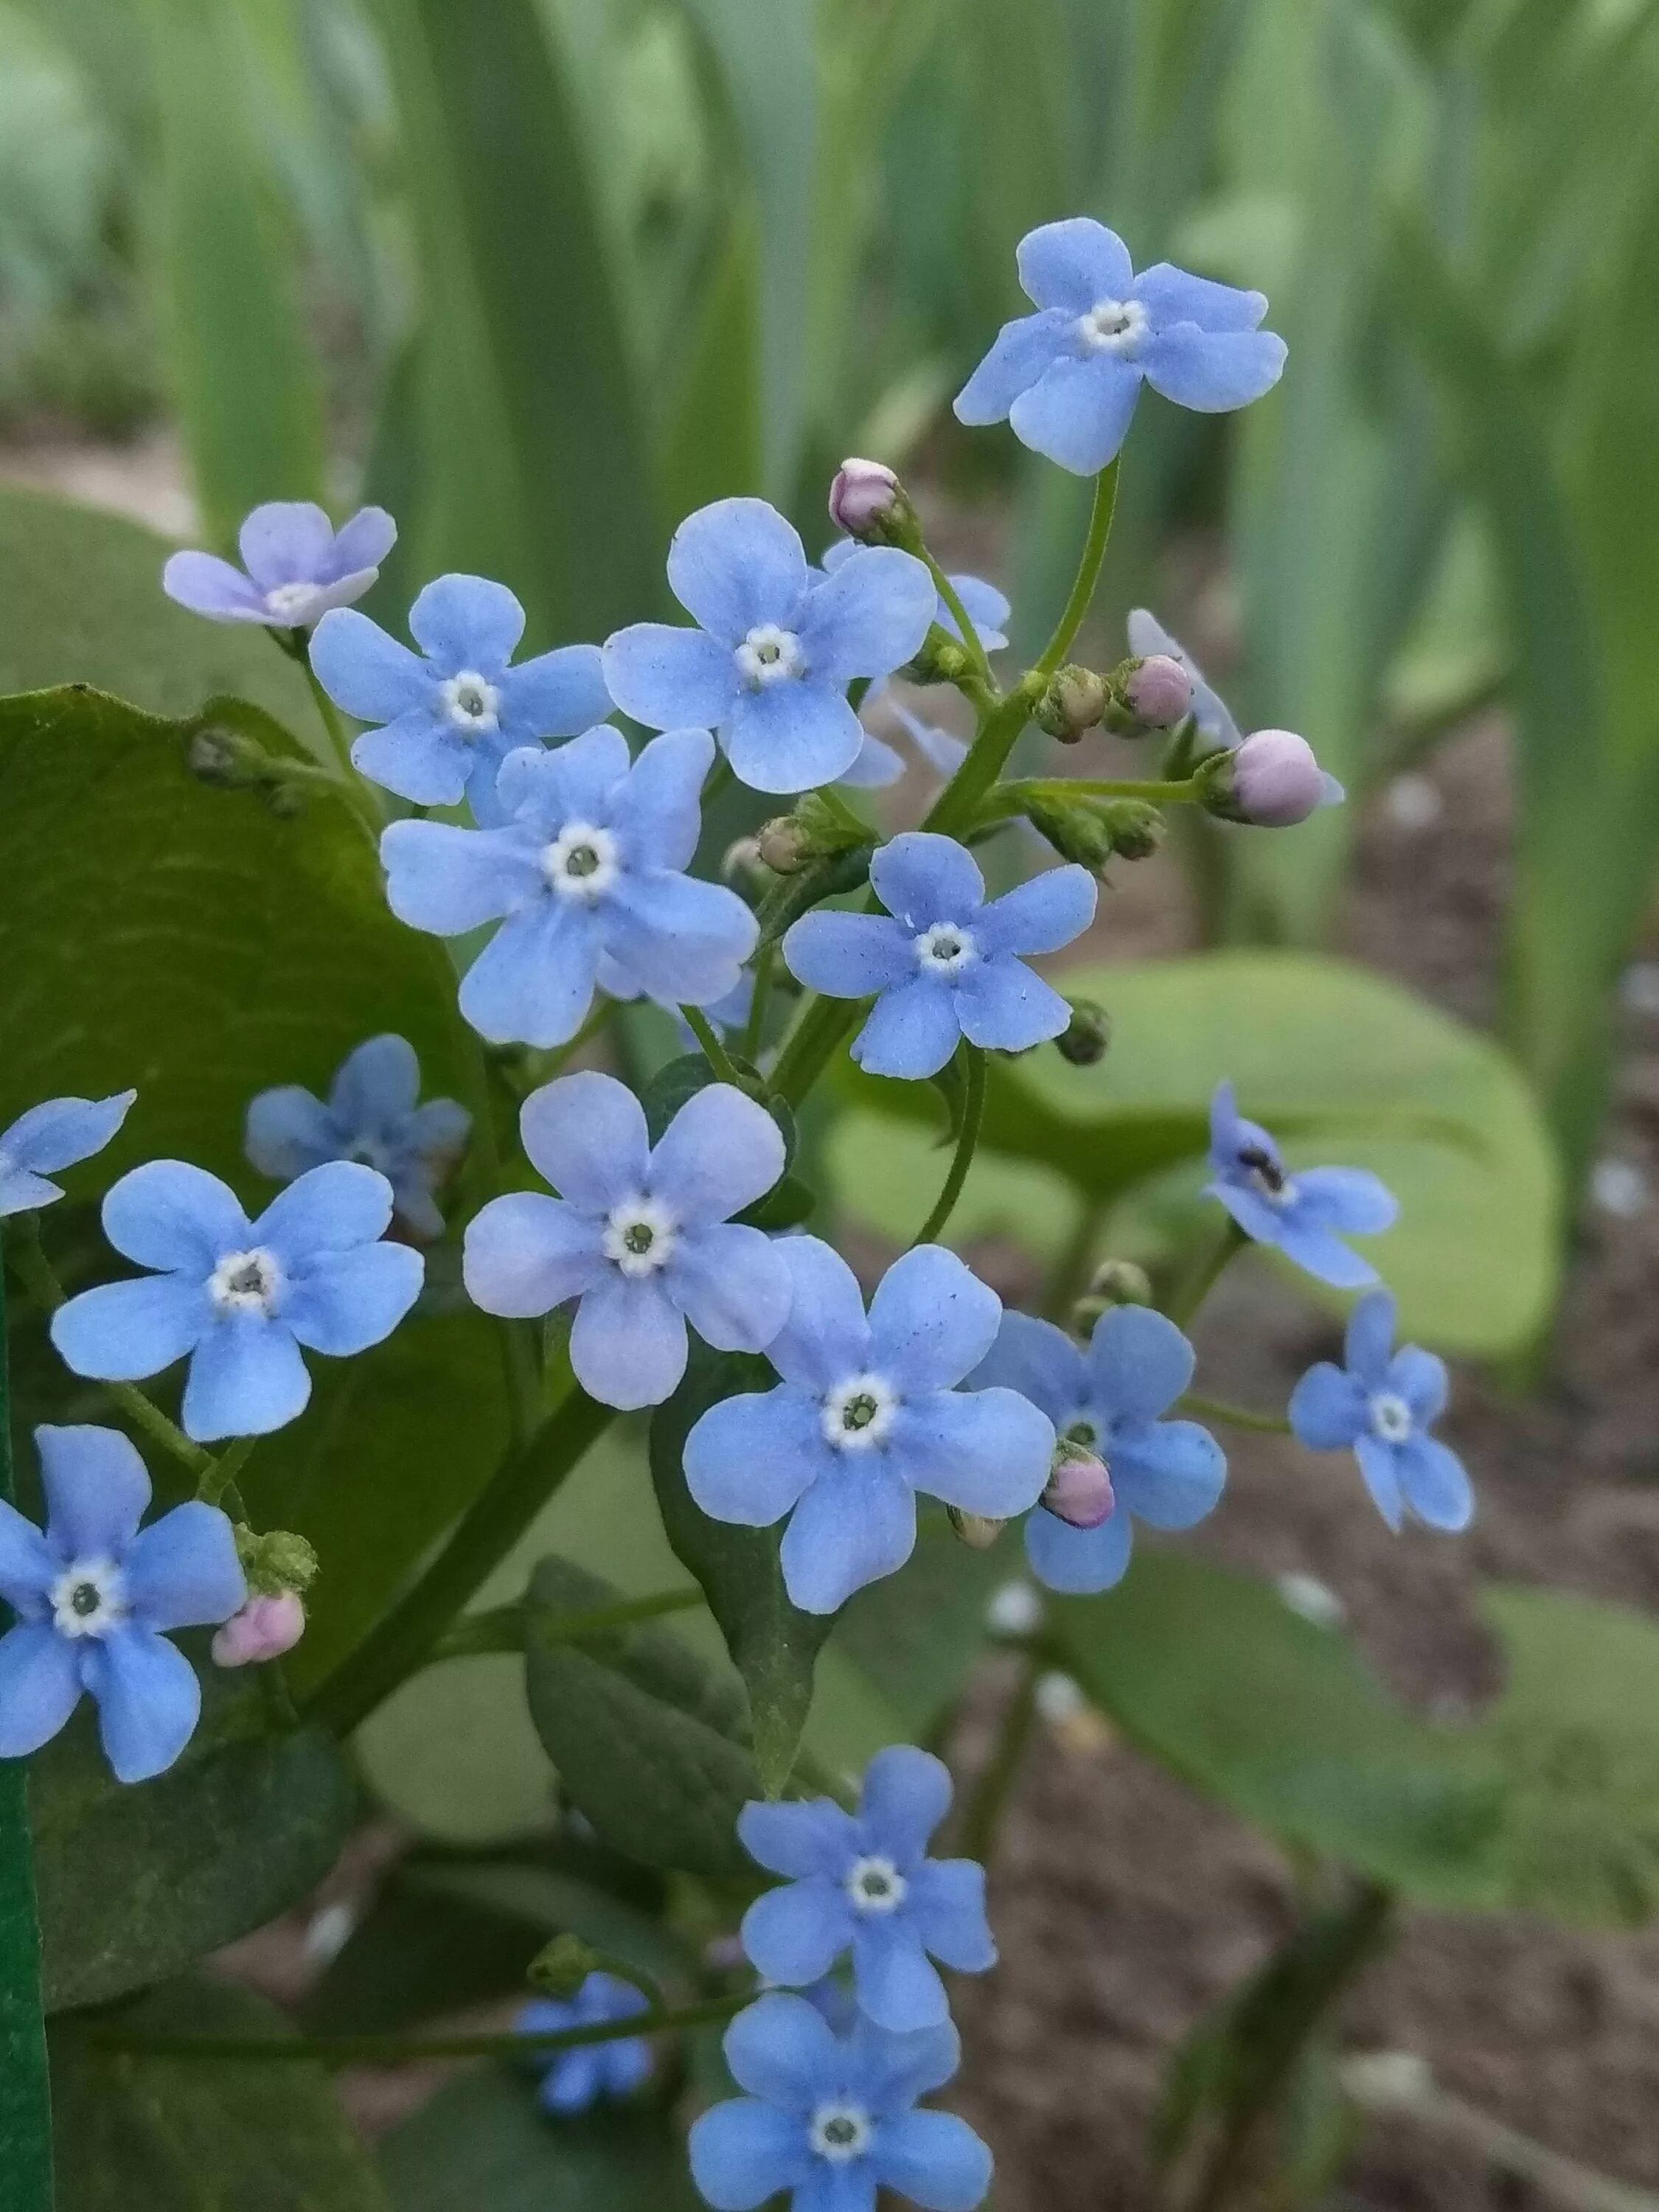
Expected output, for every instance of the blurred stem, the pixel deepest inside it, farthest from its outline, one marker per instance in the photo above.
(511, 1627)
(973, 1113)
(947, 591)
(1237, 1416)
(1206, 1271)
(1088, 574)
(982, 1815)
(807, 1048)
(1071, 1270)
(713, 1050)
(754, 1028)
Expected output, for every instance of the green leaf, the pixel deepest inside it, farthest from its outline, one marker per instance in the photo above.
(160, 2135)
(137, 1881)
(711, 441)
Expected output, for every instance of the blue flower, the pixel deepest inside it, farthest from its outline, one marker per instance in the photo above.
(53, 1136)
(866, 1415)
(371, 1115)
(586, 875)
(831, 2119)
(298, 567)
(1382, 1405)
(240, 1297)
(863, 1883)
(451, 718)
(577, 2079)
(776, 647)
(1306, 1214)
(941, 964)
(986, 607)
(94, 1597)
(1068, 377)
(1211, 715)
(642, 1235)
(1110, 1396)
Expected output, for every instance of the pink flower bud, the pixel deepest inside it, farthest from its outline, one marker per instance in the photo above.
(864, 494)
(1160, 692)
(1080, 1490)
(1276, 780)
(264, 1629)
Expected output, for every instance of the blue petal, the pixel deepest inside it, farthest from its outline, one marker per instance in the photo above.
(626, 2066)
(935, 2160)
(182, 1571)
(166, 1214)
(377, 1083)
(1073, 265)
(56, 1134)
(1380, 1465)
(533, 981)
(329, 1208)
(1022, 352)
(345, 1302)
(876, 766)
(289, 1130)
(1041, 1362)
(1002, 1005)
(1369, 1342)
(868, 618)
(946, 1901)
(580, 780)
(744, 2151)
(573, 2082)
(668, 676)
(554, 696)
(148, 1701)
(96, 1490)
(983, 1451)
(1324, 1256)
(849, 955)
(1039, 915)
(912, 1031)
(749, 1459)
(1147, 636)
(364, 671)
(586, 1134)
(943, 752)
(1138, 1363)
(890, 2072)
(39, 1686)
(1214, 374)
(921, 878)
(795, 1934)
(286, 542)
(246, 1378)
(20, 1192)
(437, 1131)
(1351, 1200)
(1167, 1473)
(466, 622)
(1227, 1126)
(931, 1320)
(1327, 1408)
(685, 941)
(362, 543)
(1253, 1214)
(28, 1565)
(987, 608)
(1078, 1561)
(906, 1794)
(856, 1523)
(658, 811)
(732, 1286)
(422, 756)
(735, 566)
(791, 736)
(1435, 1483)
(827, 1337)
(898, 1988)
(1078, 413)
(122, 1332)
(627, 1344)
(781, 2049)
(799, 1840)
(524, 1254)
(1421, 1381)
(719, 1154)
(1172, 295)
(449, 880)
(210, 586)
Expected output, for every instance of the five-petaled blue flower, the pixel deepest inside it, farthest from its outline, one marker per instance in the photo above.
(578, 2079)
(941, 964)
(298, 566)
(1212, 716)
(1067, 377)
(95, 1597)
(866, 1415)
(1307, 1213)
(240, 1298)
(1382, 1405)
(776, 647)
(50, 1137)
(863, 1882)
(831, 2118)
(373, 1115)
(451, 719)
(1110, 1396)
(587, 874)
(641, 1234)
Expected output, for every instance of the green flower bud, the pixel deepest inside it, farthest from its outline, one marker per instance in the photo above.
(1084, 1042)
(1075, 701)
(561, 1965)
(275, 1561)
(975, 1529)
(1122, 1282)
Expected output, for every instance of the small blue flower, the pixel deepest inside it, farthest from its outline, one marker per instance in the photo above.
(50, 1136)
(830, 2119)
(1306, 1214)
(373, 1115)
(641, 1234)
(94, 1597)
(1068, 377)
(451, 719)
(776, 647)
(1382, 1405)
(863, 1883)
(866, 1415)
(1110, 1396)
(239, 1297)
(298, 567)
(986, 607)
(591, 2072)
(1211, 715)
(941, 964)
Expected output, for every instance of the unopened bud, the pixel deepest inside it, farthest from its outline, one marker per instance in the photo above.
(742, 867)
(1075, 701)
(561, 1965)
(1083, 1041)
(867, 500)
(784, 845)
(1121, 1283)
(1079, 1491)
(978, 1533)
(1158, 692)
(264, 1629)
(275, 1561)
(1093, 831)
(1133, 826)
(1271, 781)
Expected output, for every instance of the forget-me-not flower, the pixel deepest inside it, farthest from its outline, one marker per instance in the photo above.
(942, 963)
(451, 714)
(374, 1114)
(576, 2080)
(863, 1882)
(1381, 1405)
(868, 1413)
(1306, 1214)
(1067, 377)
(776, 645)
(828, 2119)
(50, 1136)
(298, 566)
(586, 872)
(95, 1597)
(1110, 1396)
(238, 1297)
(641, 1234)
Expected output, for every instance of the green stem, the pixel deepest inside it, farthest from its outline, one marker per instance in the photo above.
(958, 806)
(1206, 1271)
(952, 598)
(1088, 573)
(510, 1627)
(973, 1113)
(1070, 1273)
(1237, 1416)
(219, 1476)
(754, 1028)
(339, 744)
(526, 1479)
(982, 1816)
(1057, 791)
(713, 1050)
(806, 1051)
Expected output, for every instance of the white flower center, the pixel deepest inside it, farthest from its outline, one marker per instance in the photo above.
(1391, 1417)
(858, 1413)
(875, 1885)
(640, 1236)
(770, 655)
(87, 1599)
(947, 949)
(582, 862)
(470, 701)
(840, 2132)
(1265, 1176)
(246, 1282)
(292, 603)
(1113, 326)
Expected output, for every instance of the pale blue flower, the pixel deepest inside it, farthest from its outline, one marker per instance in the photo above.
(1306, 1214)
(95, 1597)
(1381, 1407)
(586, 872)
(942, 964)
(1067, 377)
(451, 712)
(240, 1298)
(867, 1415)
(298, 566)
(593, 2072)
(776, 647)
(51, 1137)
